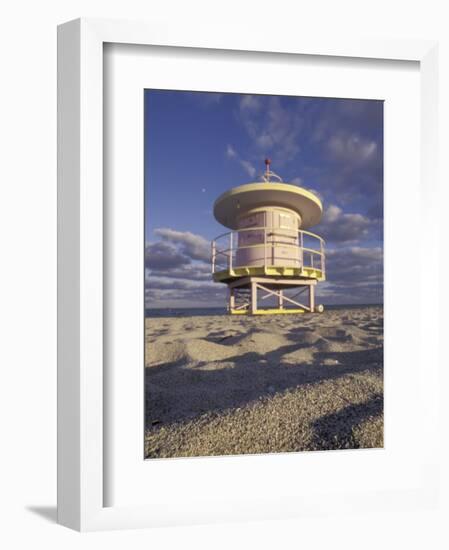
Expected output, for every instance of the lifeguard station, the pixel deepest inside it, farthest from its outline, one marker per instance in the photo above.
(268, 249)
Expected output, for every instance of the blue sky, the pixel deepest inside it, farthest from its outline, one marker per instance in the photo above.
(198, 145)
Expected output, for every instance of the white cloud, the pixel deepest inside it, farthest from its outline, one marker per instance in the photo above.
(248, 167)
(250, 103)
(164, 255)
(353, 275)
(265, 142)
(337, 226)
(168, 283)
(178, 271)
(351, 148)
(245, 164)
(296, 181)
(332, 214)
(194, 246)
(359, 253)
(272, 129)
(230, 152)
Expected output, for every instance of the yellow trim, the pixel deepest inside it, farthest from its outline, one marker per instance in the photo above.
(272, 271)
(267, 311)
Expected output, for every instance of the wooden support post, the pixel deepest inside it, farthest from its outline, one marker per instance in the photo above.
(312, 298)
(253, 297)
(231, 299)
(281, 299)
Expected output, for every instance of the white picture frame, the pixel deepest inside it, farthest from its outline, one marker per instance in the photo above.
(81, 387)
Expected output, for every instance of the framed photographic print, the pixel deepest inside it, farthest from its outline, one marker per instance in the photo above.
(237, 228)
(241, 356)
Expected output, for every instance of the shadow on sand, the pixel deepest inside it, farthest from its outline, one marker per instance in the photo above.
(177, 393)
(335, 431)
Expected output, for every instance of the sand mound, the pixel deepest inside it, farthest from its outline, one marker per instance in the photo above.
(335, 332)
(306, 337)
(191, 351)
(349, 336)
(257, 341)
(302, 356)
(157, 353)
(200, 350)
(324, 345)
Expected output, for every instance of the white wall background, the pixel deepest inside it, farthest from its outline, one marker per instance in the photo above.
(28, 268)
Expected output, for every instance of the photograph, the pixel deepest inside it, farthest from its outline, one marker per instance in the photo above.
(263, 273)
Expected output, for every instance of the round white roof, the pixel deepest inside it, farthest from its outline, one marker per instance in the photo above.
(231, 204)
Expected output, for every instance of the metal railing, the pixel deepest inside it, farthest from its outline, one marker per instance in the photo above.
(305, 249)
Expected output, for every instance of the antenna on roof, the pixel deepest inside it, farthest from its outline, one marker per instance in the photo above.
(267, 164)
(268, 174)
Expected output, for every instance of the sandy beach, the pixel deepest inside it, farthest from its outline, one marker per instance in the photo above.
(227, 385)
